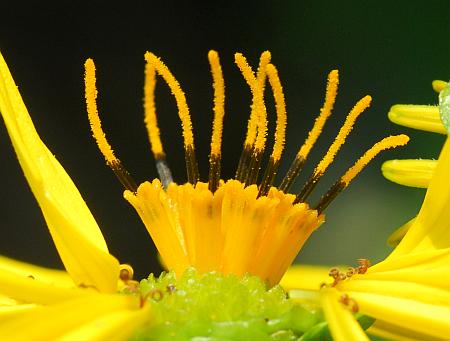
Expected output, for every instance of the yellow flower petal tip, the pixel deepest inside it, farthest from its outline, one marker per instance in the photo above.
(396, 237)
(438, 85)
(413, 173)
(423, 117)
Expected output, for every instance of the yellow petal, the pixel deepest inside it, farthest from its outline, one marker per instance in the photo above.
(431, 228)
(384, 286)
(388, 331)
(305, 277)
(116, 326)
(413, 173)
(73, 228)
(429, 319)
(343, 325)
(423, 117)
(29, 290)
(396, 237)
(13, 311)
(50, 276)
(47, 323)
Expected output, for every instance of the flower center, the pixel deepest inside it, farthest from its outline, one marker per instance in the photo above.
(245, 225)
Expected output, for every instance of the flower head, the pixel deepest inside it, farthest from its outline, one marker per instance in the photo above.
(240, 226)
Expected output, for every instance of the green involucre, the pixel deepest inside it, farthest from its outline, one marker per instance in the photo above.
(444, 106)
(214, 306)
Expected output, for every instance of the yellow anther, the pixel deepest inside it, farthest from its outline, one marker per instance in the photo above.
(151, 122)
(342, 135)
(280, 104)
(438, 85)
(94, 119)
(219, 102)
(183, 109)
(257, 104)
(325, 112)
(386, 143)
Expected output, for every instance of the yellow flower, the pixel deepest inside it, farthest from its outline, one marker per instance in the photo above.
(236, 226)
(408, 293)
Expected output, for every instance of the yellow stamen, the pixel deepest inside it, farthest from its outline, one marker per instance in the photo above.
(150, 119)
(94, 119)
(219, 112)
(325, 112)
(183, 109)
(280, 105)
(264, 60)
(342, 135)
(219, 102)
(438, 85)
(386, 143)
(252, 125)
(258, 102)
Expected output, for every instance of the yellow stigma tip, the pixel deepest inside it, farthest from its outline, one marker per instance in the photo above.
(254, 127)
(346, 128)
(150, 119)
(219, 102)
(258, 106)
(280, 104)
(180, 98)
(386, 143)
(94, 119)
(325, 112)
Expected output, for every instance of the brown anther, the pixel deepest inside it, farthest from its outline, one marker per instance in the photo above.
(352, 271)
(126, 272)
(132, 286)
(323, 285)
(30, 276)
(171, 288)
(355, 307)
(334, 273)
(337, 275)
(344, 299)
(364, 264)
(156, 295)
(349, 302)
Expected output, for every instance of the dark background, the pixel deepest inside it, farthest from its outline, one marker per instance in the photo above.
(391, 50)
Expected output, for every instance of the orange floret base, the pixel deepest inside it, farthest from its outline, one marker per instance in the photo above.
(232, 231)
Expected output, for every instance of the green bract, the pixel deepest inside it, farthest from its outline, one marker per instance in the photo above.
(214, 306)
(444, 106)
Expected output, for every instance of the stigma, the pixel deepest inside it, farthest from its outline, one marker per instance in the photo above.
(249, 224)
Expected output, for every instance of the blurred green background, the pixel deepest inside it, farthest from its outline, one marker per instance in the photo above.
(391, 50)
